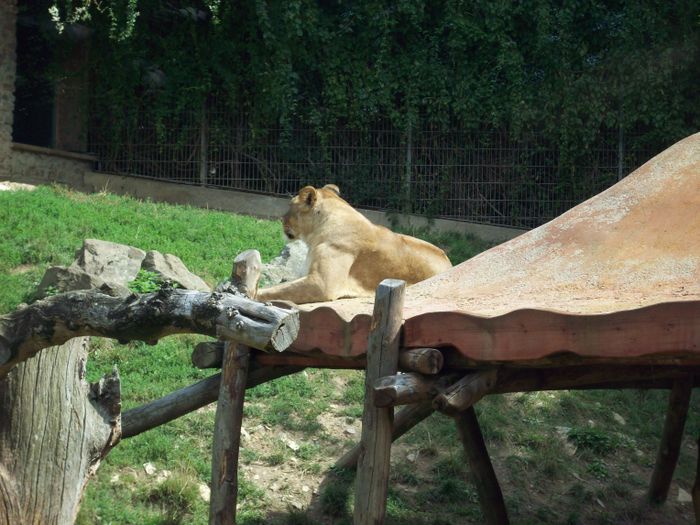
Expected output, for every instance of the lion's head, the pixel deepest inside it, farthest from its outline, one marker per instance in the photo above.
(305, 208)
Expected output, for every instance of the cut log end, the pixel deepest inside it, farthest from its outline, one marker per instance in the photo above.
(465, 392)
(405, 389)
(422, 360)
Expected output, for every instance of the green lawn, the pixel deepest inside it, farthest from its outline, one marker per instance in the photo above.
(561, 457)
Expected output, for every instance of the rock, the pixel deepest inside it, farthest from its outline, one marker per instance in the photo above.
(683, 496)
(162, 476)
(292, 445)
(59, 279)
(171, 268)
(350, 431)
(112, 262)
(15, 186)
(305, 489)
(412, 457)
(204, 491)
(290, 264)
(105, 265)
(149, 468)
(619, 419)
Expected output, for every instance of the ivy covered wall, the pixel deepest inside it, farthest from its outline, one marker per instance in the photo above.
(570, 71)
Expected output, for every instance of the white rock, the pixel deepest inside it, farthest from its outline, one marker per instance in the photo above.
(150, 468)
(244, 434)
(350, 431)
(162, 476)
(204, 491)
(297, 505)
(293, 445)
(114, 479)
(412, 457)
(683, 496)
(305, 488)
(619, 419)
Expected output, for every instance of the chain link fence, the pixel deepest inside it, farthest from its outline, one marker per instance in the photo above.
(487, 177)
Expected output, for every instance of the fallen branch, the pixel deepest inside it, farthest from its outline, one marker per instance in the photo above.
(149, 317)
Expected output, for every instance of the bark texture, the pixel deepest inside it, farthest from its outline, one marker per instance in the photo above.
(146, 317)
(54, 430)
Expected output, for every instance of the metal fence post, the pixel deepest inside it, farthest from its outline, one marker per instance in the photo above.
(203, 145)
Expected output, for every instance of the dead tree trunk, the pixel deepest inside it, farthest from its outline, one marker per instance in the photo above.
(54, 427)
(54, 430)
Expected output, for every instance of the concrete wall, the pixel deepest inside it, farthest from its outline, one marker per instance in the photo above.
(265, 206)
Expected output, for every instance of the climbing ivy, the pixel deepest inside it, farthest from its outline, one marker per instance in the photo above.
(567, 68)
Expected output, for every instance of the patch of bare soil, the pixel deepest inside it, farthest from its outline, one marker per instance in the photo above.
(293, 482)
(22, 268)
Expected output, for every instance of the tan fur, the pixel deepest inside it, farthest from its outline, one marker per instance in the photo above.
(348, 255)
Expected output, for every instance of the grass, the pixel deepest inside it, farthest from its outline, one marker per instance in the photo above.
(561, 457)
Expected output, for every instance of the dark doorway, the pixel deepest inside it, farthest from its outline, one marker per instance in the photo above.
(34, 91)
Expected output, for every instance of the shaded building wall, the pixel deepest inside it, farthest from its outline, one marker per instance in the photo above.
(17, 161)
(8, 17)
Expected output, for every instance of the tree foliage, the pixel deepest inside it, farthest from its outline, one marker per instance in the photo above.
(568, 68)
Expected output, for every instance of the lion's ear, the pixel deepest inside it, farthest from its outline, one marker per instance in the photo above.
(335, 189)
(307, 195)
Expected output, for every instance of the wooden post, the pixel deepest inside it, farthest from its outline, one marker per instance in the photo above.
(372, 480)
(490, 496)
(227, 435)
(406, 418)
(245, 273)
(696, 489)
(669, 449)
(229, 410)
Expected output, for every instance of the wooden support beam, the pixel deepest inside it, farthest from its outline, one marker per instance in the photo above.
(372, 480)
(229, 410)
(404, 389)
(465, 392)
(593, 376)
(422, 360)
(490, 496)
(190, 398)
(208, 354)
(669, 449)
(405, 419)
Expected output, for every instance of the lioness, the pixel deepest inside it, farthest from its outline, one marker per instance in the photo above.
(348, 255)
